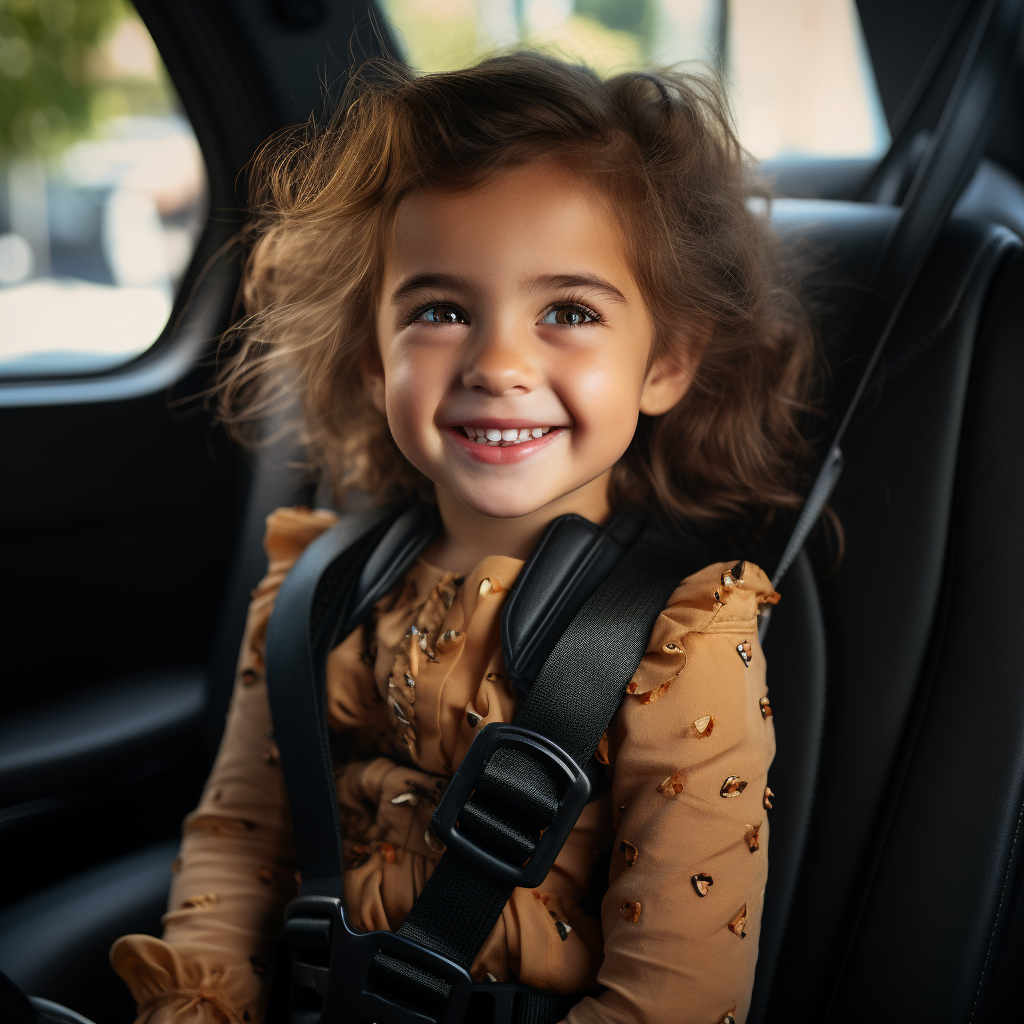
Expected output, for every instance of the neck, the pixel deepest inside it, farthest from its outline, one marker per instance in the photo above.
(468, 536)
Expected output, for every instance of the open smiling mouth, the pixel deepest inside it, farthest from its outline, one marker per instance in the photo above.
(494, 438)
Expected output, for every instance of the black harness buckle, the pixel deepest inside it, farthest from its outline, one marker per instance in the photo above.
(317, 929)
(445, 821)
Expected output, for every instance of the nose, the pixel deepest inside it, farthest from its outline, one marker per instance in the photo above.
(501, 361)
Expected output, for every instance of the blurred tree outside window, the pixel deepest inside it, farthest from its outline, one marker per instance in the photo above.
(102, 187)
(797, 70)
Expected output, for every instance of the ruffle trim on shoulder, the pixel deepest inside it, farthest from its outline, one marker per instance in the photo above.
(158, 974)
(719, 596)
(289, 532)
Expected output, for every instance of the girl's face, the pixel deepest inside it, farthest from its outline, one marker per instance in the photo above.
(514, 342)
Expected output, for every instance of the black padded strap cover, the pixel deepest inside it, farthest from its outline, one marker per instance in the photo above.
(571, 702)
(628, 569)
(569, 562)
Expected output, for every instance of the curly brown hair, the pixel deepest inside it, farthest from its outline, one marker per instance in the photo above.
(661, 144)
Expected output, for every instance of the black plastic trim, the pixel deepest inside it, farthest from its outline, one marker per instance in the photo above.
(77, 741)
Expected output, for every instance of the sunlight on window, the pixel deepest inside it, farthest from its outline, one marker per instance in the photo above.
(797, 70)
(801, 79)
(102, 187)
(609, 35)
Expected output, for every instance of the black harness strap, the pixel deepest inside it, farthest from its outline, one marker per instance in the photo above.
(521, 786)
(521, 789)
(320, 599)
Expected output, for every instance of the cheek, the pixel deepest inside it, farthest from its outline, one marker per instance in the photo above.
(406, 398)
(415, 386)
(606, 399)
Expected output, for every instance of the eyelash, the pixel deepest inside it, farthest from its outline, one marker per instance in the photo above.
(595, 317)
(570, 303)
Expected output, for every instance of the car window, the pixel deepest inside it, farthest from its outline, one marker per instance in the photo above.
(801, 79)
(102, 187)
(798, 73)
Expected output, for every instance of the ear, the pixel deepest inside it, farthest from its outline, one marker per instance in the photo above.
(665, 384)
(372, 371)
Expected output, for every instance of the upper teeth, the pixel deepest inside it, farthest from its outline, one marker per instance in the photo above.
(510, 435)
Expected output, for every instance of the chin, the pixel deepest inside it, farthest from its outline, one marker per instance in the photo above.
(501, 506)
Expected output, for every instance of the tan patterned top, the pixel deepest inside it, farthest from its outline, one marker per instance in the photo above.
(675, 937)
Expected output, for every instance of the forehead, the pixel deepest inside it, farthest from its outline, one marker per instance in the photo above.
(535, 219)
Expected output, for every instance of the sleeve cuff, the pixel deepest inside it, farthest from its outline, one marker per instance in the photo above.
(193, 982)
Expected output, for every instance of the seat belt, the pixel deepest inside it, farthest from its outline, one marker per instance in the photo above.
(519, 790)
(317, 600)
(948, 164)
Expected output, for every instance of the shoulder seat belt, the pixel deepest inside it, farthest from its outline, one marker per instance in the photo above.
(574, 628)
(949, 161)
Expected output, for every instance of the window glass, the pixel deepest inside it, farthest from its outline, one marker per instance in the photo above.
(102, 187)
(801, 79)
(797, 70)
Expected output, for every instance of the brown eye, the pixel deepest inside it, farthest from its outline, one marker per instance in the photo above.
(569, 316)
(441, 314)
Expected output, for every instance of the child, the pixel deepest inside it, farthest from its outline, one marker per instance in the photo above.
(521, 292)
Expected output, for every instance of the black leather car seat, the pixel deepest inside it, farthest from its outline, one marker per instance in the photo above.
(894, 883)
(54, 943)
(894, 890)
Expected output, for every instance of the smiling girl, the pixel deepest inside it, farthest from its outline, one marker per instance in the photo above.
(520, 292)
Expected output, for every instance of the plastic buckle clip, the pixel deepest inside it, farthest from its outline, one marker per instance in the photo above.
(349, 993)
(444, 823)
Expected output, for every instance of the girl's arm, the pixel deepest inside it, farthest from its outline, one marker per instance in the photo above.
(690, 747)
(236, 867)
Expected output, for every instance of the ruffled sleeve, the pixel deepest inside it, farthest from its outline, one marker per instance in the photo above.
(236, 867)
(690, 748)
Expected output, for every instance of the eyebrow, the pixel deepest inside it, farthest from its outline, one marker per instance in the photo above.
(580, 281)
(422, 281)
(450, 281)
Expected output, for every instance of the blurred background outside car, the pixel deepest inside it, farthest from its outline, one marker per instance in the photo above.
(103, 188)
(798, 70)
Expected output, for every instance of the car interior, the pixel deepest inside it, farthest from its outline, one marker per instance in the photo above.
(132, 528)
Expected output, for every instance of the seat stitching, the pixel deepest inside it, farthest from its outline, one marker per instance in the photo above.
(998, 914)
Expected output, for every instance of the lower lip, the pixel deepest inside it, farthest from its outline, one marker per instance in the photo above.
(502, 454)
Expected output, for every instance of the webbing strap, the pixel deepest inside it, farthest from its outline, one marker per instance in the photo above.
(573, 699)
(572, 702)
(315, 601)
